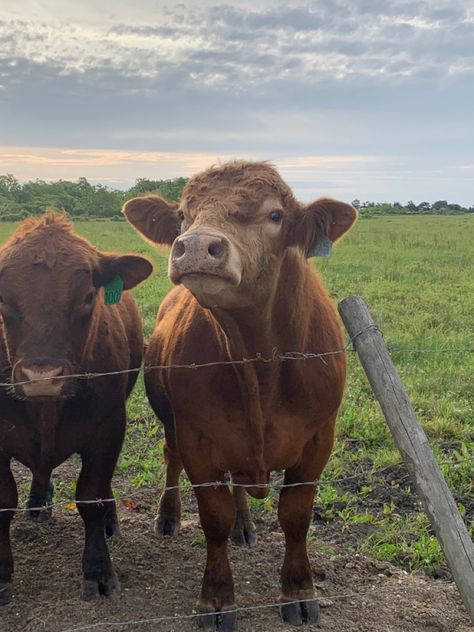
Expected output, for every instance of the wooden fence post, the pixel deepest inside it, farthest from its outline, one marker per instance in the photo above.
(413, 444)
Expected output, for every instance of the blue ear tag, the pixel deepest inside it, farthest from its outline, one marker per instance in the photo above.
(322, 248)
(113, 291)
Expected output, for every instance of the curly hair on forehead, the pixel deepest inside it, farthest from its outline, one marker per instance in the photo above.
(238, 179)
(47, 239)
(31, 224)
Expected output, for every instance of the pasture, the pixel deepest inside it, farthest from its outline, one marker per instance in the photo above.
(417, 276)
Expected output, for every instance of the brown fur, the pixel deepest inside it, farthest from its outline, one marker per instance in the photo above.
(248, 420)
(52, 314)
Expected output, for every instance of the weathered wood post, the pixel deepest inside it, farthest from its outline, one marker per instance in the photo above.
(413, 444)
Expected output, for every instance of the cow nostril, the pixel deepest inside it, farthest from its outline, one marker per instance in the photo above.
(37, 374)
(215, 249)
(179, 249)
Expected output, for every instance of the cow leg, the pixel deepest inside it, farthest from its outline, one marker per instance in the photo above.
(8, 499)
(298, 601)
(244, 531)
(41, 495)
(168, 519)
(217, 514)
(112, 526)
(98, 463)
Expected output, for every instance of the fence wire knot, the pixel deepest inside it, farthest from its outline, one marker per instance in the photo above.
(372, 327)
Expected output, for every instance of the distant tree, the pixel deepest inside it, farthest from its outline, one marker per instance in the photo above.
(9, 186)
(440, 204)
(169, 189)
(424, 207)
(82, 199)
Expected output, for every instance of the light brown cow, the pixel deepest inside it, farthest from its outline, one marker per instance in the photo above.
(53, 325)
(245, 288)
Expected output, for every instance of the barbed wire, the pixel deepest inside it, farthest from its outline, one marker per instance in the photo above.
(276, 357)
(188, 487)
(288, 356)
(197, 615)
(405, 350)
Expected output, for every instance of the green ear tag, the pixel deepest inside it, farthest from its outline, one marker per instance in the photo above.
(322, 248)
(113, 291)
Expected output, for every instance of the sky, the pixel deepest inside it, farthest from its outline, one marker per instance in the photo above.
(357, 99)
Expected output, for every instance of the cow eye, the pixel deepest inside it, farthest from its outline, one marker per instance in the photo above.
(181, 216)
(1, 300)
(89, 298)
(275, 216)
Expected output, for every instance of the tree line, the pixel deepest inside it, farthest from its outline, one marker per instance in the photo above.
(440, 207)
(79, 200)
(83, 200)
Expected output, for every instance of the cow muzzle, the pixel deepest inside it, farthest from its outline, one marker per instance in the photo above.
(204, 257)
(42, 380)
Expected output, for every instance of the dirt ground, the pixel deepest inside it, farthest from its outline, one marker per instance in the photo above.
(161, 578)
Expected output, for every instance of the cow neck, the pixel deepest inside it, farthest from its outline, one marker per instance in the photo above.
(237, 348)
(275, 326)
(45, 417)
(267, 329)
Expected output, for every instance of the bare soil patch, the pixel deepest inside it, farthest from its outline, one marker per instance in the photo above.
(161, 578)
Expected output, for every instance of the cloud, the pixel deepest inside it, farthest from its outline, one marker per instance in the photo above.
(226, 45)
(286, 80)
(365, 177)
(113, 165)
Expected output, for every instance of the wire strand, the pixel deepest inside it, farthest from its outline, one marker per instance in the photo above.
(288, 356)
(197, 615)
(187, 487)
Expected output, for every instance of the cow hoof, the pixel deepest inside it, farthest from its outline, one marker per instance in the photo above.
(299, 612)
(167, 526)
(6, 591)
(245, 533)
(223, 621)
(95, 590)
(39, 515)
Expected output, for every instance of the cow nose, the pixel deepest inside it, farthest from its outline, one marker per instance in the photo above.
(201, 247)
(202, 256)
(40, 379)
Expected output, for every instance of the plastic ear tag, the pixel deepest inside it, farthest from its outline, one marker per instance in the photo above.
(113, 291)
(322, 248)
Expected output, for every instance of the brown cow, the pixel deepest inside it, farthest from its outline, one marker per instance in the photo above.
(245, 288)
(53, 325)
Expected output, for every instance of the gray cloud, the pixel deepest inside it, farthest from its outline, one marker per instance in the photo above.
(222, 44)
(329, 77)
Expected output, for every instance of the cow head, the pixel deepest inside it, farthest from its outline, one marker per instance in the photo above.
(232, 228)
(51, 284)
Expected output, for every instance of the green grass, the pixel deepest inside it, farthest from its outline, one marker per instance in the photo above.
(417, 276)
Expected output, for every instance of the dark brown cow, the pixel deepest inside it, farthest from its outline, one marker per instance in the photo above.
(54, 324)
(245, 288)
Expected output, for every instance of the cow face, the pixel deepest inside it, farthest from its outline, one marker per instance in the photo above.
(50, 296)
(231, 230)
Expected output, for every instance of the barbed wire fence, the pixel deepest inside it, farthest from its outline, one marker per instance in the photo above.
(276, 356)
(189, 487)
(289, 356)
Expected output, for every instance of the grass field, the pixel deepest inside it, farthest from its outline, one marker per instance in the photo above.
(417, 276)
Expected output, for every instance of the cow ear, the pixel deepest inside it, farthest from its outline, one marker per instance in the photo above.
(132, 269)
(319, 224)
(154, 218)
